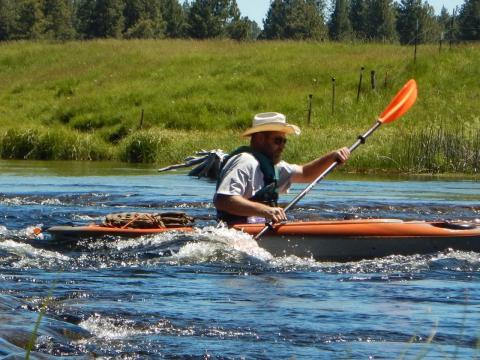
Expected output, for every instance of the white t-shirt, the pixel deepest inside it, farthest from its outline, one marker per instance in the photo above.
(242, 176)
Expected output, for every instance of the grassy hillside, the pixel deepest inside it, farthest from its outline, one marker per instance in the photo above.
(83, 100)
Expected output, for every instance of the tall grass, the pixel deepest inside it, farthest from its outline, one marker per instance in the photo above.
(435, 149)
(83, 100)
(57, 144)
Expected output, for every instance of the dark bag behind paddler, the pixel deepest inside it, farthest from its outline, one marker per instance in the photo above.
(148, 220)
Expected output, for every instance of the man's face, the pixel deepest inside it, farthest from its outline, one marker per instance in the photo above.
(272, 144)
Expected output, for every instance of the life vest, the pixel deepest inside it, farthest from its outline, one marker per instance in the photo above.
(268, 194)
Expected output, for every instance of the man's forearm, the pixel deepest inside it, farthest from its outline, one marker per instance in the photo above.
(313, 169)
(238, 205)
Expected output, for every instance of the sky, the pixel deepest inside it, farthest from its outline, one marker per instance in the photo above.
(257, 9)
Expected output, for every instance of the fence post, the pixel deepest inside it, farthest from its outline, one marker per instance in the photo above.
(373, 79)
(451, 28)
(360, 83)
(309, 119)
(141, 120)
(333, 95)
(416, 40)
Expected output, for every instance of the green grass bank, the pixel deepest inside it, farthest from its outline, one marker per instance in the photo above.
(84, 100)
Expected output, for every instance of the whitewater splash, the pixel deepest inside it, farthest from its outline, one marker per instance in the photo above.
(27, 256)
(108, 328)
(209, 244)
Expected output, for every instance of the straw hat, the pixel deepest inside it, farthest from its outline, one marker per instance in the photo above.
(271, 121)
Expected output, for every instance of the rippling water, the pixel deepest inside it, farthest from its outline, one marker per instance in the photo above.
(215, 294)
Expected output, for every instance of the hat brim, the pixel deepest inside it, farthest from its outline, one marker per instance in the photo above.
(285, 128)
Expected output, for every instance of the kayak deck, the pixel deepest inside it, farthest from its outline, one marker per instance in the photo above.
(366, 227)
(95, 230)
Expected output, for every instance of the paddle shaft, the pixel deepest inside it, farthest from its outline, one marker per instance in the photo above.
(361, 140)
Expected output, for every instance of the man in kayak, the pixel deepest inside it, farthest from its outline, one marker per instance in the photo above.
(252, 176)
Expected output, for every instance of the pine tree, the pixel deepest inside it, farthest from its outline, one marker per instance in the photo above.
(174, 16)
(359, 18)
(132, 12)
(209, 18)
(295, 27)
(339, 26)
(431, 30)
(58, 19)
(6, 19)
(409, 13)
(199, 18)
(30, 23)
(444, 19)
(314, 18)
(255, 30)
(241, 29)
(143, 19)
(236, 27)
(275, 22)
(109, 20)
(469, 20)
(381, 20)
(304, 20)
(295, 19)
(85, 18)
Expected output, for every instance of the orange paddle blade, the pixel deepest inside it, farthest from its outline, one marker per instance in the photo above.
(400, 104)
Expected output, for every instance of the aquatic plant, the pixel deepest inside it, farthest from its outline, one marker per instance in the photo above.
(143, 147)
(437, 149)
(33, 338)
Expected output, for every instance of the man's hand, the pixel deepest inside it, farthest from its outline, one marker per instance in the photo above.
(341, 155)
(237, 205)
(310, 171)
(275, 214)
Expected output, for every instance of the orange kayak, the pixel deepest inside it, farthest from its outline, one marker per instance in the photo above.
(339, 240)
(344, 240)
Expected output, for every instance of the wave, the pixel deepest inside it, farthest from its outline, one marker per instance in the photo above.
(20, 255)
(109, 328)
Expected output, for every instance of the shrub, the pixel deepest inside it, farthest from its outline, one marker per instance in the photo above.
(144, 146)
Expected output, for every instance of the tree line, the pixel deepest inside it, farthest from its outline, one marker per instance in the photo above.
(338, 20)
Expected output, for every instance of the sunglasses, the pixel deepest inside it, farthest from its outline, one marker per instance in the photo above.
(278, 140)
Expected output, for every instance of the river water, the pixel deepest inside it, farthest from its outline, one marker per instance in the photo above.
(217, 294)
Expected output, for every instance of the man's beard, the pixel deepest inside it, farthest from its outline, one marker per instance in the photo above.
(276, 159)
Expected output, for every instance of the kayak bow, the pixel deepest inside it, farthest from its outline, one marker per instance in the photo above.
(344, 240)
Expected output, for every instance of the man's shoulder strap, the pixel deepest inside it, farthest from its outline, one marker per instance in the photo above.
(270, 172)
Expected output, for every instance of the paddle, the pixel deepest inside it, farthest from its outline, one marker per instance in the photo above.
(400, 104)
